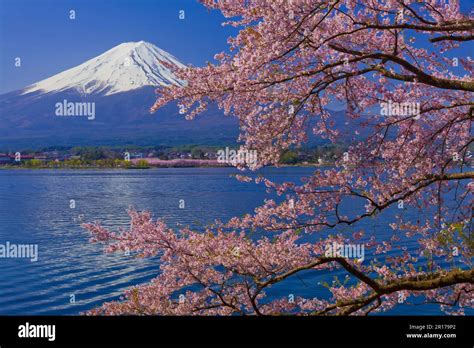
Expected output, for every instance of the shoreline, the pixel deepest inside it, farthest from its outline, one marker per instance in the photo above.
(311, 165)
(153, 167)
(148, 163)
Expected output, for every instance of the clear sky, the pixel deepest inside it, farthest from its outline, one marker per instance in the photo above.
(41, 33)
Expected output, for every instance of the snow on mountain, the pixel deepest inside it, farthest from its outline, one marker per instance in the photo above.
(120, 83)
(125, 67)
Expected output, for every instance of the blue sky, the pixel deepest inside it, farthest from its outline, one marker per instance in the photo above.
(48, 42)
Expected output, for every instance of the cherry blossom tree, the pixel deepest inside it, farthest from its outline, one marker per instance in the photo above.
(290, 61)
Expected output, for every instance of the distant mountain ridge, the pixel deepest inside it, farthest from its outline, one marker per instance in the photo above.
(121, 83)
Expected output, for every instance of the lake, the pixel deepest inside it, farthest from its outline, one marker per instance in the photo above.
(35, 209)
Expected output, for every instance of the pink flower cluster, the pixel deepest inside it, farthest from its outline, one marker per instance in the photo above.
(289, 62)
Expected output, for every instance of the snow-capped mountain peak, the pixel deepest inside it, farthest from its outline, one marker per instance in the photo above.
(125, 67)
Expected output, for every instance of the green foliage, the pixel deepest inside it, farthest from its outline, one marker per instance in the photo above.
(142, 164)
(197, 153)
(34, 163)
(89, 153)
(289, 157)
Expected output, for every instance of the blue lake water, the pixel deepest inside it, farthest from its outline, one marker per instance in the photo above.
(35, 209)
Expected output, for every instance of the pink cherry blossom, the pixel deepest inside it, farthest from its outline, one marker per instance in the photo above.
(289, 62)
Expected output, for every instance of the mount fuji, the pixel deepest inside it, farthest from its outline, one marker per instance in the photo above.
(120, 84)
(126, 67)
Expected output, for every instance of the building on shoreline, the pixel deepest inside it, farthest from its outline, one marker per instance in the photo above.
(6, 158)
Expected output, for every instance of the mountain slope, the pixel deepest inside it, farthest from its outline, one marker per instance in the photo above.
(121, 84)
(126, 67)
